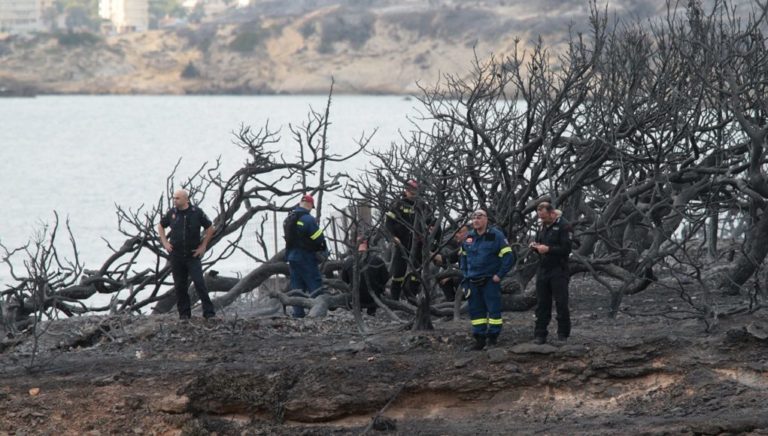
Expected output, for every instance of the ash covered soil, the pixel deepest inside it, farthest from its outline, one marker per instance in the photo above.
(648, 371)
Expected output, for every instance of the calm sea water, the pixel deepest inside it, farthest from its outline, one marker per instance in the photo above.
(80, 155)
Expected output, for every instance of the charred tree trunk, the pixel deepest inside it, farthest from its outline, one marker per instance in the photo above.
(747, 262)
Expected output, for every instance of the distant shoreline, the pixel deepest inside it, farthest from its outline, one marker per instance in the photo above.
(28, 94)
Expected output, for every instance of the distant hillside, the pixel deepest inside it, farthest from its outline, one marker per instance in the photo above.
(296, 46)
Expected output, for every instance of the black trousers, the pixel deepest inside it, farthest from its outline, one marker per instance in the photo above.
(552, 284)
(183, 268)
(449, 288)
(397, 270)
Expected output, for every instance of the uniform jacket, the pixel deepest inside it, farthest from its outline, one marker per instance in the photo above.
(451, 251)
(400, 219)
(486, 255)
(373, 272)
(185, 228)
(558, 238)
(310, 238)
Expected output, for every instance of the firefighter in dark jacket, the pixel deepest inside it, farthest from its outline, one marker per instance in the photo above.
(185, 248)
(305, 247)
(448, 256)
(401, 221)
(553, 244)
(486, 258)
(373, 275)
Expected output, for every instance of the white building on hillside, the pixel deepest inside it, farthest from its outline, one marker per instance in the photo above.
(20, 16)
(125, 15)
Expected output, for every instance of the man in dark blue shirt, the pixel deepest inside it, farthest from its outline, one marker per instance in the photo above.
(185, 248)
(486, 258)
(304, 240)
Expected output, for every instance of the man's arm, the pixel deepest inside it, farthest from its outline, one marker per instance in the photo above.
(313, 231)
(204, 244)
(563, 246)
(390, 223)
(507, 258)
(165, 221)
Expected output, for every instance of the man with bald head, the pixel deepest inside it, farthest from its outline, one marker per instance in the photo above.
(185, 248)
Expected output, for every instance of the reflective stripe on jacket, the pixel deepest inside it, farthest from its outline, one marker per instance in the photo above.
(486, 255)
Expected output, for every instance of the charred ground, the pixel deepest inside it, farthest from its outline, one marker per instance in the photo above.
(243, 374)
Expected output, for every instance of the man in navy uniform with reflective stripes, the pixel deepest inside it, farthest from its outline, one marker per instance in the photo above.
(303, 241)
(486, 258)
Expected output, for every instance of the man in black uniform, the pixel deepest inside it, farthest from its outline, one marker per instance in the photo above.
(553, 244)
(373, 275)
(186, 248)
(400, 222)
(448, 256)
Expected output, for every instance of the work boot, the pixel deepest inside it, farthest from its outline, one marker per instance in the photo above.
(492, 340)
(479, 343)
(562, 338)
(539, 340)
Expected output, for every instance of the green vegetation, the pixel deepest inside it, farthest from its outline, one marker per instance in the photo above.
(190, 71)
(198, 36)
(354, 27)
(159, 9)
(80, 15)
(74, 39)
(245, 42)
(249, 36)
(308, 29)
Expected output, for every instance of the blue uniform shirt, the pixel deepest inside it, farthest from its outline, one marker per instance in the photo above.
(486, 255)
(311, 237)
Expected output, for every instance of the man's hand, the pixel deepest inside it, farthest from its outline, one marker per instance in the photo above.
(539, 248)
(168, 247)
(496, 278)
(396, 240)
(198, 252)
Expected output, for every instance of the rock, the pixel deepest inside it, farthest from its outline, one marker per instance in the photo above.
(497, 355)
(34, 392)
(706, 428)
(533, 349)
(352, 347)
(382, 423)
(172, 404)
(757, 330)
(462, 362)
(574, 350)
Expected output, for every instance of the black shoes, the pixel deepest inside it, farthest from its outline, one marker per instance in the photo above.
(562, 338)
(479, 343)
(492, 340)
(539, 340)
